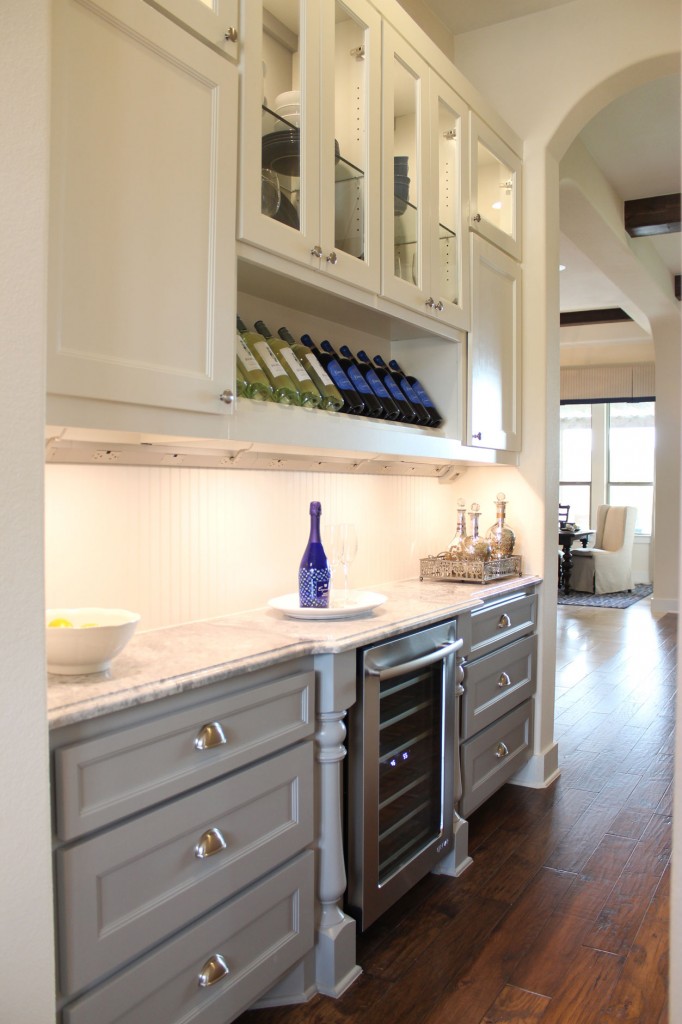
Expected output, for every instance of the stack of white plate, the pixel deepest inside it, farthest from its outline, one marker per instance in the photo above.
(288, 107)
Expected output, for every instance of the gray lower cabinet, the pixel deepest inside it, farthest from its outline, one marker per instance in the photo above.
(497, 708)
(195, 895)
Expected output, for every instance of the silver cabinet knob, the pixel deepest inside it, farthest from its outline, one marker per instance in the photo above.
(504, 622)
(210, 735)
(316, 251)
(502, 750)
(215, 969)
(439, 307)
(211, 842)
(477, 437)
(332, 258)
(477, 218)
(430, 302)
(226, 396)
(504, 680)
(231, 35)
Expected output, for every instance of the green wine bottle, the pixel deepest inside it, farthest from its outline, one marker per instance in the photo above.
(284, 391)
(332, 398)
(251, 380)
(308, 393)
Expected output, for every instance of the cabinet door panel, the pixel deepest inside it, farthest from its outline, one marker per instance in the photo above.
(137, 883)
(142, 272)
(350, 141)
(279, 205)
(494, 417)
(495, 189)
(101, 780)
(495, 754)
(260, 935)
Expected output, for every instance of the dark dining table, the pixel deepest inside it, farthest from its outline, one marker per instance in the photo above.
(567, 538)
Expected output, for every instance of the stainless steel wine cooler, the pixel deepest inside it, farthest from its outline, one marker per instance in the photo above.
(401, 767)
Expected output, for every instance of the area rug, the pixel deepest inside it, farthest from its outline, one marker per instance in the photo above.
(621, 600)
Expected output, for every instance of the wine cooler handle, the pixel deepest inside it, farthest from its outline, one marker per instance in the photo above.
(418, 663)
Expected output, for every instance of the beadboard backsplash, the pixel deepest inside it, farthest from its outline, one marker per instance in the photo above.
(184, 544)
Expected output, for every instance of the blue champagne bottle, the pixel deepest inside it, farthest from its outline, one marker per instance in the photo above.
(313, 572)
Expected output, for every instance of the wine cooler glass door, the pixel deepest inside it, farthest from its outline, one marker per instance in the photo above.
(401, 768)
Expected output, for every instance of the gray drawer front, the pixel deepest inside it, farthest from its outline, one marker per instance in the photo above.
(497, 683)
(124, 890)
(500, 622)
(102, 780)
(260, 934)
(485, 766)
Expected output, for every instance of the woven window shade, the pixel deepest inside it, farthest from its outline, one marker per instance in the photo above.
(607, 383)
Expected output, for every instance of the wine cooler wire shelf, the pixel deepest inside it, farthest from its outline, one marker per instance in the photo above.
(443, 568)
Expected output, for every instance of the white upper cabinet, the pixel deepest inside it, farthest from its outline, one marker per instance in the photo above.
(495, 211)
(424, 179)
(142, 263)
(214, 21)
(494, 350)
(310, 135)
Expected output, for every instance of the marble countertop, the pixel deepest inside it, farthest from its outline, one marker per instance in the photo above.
(162, 662)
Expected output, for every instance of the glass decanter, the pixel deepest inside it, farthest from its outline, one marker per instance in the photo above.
(500, 536)
(476, 547)
(456, 545)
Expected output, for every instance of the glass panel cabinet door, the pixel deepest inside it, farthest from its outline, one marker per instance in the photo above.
(449, 183)
(495, 189)
(405, 85)
(280, 198)
(350, 139)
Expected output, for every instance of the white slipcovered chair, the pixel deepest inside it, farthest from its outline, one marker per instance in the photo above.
(606, 568)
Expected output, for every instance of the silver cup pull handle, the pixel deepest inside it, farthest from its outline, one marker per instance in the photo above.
(211, 842)
(505, 622)
(502, 750)
(210, 735)
(504, 680)
(215, 969)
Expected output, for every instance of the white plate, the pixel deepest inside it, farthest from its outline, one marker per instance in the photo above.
(360, 602)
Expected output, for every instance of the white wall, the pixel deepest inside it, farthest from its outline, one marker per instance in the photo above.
(26, 944)
(183, 544)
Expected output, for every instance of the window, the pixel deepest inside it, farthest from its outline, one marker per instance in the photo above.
(607, 457)
(631, 459)
(575, 439)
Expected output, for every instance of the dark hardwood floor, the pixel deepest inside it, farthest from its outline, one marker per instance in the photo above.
(563, 916)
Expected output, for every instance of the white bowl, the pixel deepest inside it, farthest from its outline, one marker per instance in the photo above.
(91, 642)
(286, 99)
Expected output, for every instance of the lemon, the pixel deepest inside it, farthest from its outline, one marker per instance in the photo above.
(60, 624)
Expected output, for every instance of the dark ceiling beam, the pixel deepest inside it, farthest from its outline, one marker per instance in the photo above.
(579, 317)
(657, 215)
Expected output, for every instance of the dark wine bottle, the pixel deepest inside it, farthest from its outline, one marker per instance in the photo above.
(424, 397)
(408, 393)
(390, 410)
(331, 396)
(407, 413)
(373, 406)
(309, 396)
(352, 403)
(314, 573)
(376, 379)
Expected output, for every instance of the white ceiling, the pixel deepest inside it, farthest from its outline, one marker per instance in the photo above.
(635, 141)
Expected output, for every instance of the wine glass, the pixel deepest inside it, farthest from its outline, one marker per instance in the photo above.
(342, 548)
